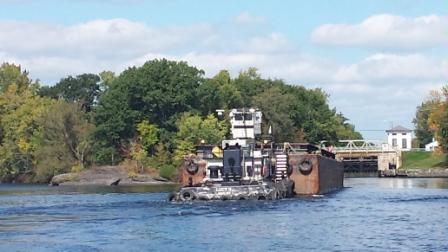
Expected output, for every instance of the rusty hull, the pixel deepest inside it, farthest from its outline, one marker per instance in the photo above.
(325, 175)
(188, 179)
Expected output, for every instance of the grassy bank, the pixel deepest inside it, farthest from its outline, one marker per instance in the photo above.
(422, 159)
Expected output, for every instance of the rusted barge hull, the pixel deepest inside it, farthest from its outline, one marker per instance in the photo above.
(245, 168)
(307, 174)
(315, 174)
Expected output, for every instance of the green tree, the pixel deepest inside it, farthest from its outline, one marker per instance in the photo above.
(11, 74)
(422, 131)
(107, 78)
(218, 92)
(148, 135)
(344, 130)
(19, 112)
(193, 130)
(209, 97)
(444, 122)
(250, 84)
(158, 91)
(299, 114)
(276, 107)
(162, 155)
(438, 118)
(65, 142)
(83, 89)
(431, 120)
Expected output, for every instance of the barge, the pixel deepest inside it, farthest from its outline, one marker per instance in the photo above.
(249, 167)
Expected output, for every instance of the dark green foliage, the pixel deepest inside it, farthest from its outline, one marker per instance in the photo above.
(443, 130)
(65, 143)
(83, 89)
(302, 115)
(422, 132)
(249, 84)
(104, 153)
(152, 114)
(158, 92)
(208, 95)
(218, 92)
(168, 171)
(277, 107)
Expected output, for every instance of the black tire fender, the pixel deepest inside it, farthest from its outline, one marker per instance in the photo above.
(187, 195)
(306, 166)
(191, 167)
(172, 196)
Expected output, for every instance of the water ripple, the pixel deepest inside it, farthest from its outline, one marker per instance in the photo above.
(367, 216)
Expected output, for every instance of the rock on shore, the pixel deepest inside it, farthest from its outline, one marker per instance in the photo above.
(105, 175)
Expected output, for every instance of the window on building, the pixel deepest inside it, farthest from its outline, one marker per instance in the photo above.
(394, 142)
(394, 134)
(404, 134)
(404, 143)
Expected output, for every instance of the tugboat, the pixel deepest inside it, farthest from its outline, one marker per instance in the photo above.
(243, 169)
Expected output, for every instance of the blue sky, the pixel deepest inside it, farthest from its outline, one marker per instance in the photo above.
(376, 59)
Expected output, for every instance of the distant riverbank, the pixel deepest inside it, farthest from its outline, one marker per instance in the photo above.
(107, 175)
(423, 173)
(424, 160)
(422, 164)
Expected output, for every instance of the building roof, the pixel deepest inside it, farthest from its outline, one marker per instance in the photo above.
(399, 128)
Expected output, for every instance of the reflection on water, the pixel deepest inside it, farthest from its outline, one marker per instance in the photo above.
(371, 214)
(399, 183)
(6, 189)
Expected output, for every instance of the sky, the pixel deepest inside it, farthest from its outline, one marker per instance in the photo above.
(376, 59)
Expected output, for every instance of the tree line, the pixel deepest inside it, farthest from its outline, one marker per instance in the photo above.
(147, 117)
(431, 119)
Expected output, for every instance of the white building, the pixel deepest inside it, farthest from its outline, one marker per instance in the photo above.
(399, 137)
(432, 146)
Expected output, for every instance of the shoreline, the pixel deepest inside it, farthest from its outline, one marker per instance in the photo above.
(107, 176)
(439, 172)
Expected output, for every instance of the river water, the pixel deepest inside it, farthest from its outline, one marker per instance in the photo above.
(370, 214)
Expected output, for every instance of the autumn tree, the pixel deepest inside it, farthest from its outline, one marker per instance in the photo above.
(11, 74)
(423, 132)
(19, 112)
(438, 117)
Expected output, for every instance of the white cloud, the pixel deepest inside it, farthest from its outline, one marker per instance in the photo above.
(377, 88)
(99, 38)
(387, 68)
(247, 18)
(387, 31)
(52, 51)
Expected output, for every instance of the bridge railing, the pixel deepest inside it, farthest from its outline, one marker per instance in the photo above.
(363, 146)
